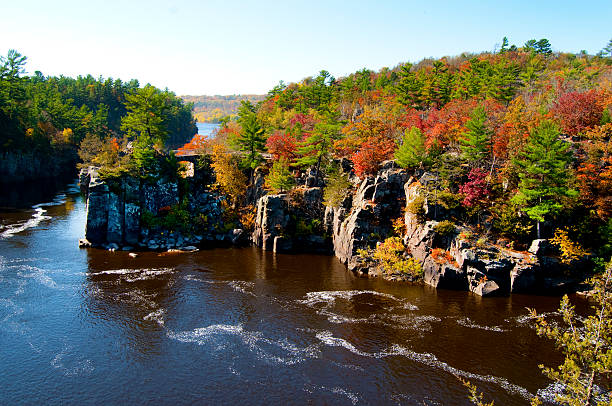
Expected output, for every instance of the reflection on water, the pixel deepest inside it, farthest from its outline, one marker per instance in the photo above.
(242, 325)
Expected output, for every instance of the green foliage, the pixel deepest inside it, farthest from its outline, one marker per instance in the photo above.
(476, 142)
(280, 178)
(445, 228)
(447, 199)
(305, 227)
(544, 173)
(316, 146)
(336, 189)
(411, 153)
(509, 223)
(146, 115)
(176, 218)
(417, 207)
(586, 344)
(251, 140)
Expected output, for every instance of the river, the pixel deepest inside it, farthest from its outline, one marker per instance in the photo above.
(239, 326)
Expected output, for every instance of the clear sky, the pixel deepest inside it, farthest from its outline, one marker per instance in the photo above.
(239, 47)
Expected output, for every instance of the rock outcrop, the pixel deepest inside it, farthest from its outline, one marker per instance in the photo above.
(365, 218)
(291, 222)
(117, 210)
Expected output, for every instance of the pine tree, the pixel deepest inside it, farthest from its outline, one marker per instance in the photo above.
(316, 146)
(280, 178)
(544, 174)
(251, 140)
(146, 114)
(411, 153)
(504, 47)
(476, 142)
(408, 88)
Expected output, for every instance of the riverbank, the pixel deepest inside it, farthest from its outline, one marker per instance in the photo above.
(188, 214)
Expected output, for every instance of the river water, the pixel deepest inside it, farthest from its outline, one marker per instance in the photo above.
(238, 326)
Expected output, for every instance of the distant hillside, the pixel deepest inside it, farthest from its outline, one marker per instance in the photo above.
(211, 109)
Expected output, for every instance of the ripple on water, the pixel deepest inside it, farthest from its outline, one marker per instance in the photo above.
(225, 337)
(423, 358)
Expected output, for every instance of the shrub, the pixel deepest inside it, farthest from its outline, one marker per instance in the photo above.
(445, 228)
(336, 189)
(442, 256)
(448, 200)
(390, 256)
(417, 207)
(570, 250)
(280, 178)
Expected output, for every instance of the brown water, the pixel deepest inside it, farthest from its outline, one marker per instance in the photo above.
(228, 326)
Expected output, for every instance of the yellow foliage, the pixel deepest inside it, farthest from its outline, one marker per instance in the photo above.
(230, 179)
(390, 255)
(570, 250)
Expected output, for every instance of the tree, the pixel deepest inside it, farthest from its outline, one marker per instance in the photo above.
(229, 178)
(146, 115)
(504, 46)
(373, 151)
(586, 344)
(411, 153)
(578, 111)
(408, 88)
(317, 145)
(280, 178)
(544, 174)
(476, 141)
(607, 50)
(251, 140)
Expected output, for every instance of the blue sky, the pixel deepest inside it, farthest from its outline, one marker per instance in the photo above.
(232, 47)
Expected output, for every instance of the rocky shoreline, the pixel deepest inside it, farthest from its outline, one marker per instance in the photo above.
(119, 214)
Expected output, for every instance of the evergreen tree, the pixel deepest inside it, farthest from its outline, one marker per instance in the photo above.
(476, 142)
(411, 153)
(280, 178)
(504, 47)
(408, 88)
(544, 174)
(251, 140)
(146, 115)
(316, 146)
(543, 47)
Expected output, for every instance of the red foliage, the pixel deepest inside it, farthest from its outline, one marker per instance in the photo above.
(476, 189)
(306, 121)
(282, 145)
(578, 111)
(114, 144)
(197, 143)
(372, 153)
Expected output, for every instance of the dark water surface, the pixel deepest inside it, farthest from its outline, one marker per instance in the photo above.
(240, 326)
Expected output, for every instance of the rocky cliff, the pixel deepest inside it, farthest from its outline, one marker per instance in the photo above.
(25, 166)
(449, 255)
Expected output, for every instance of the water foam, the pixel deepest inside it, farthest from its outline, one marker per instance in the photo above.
(467, 322)
(157, 315)
(76, 366)
(423, 358)
(279, 351)
(11, 229)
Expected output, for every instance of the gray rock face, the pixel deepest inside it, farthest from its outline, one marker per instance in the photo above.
(366, 218)
(97, 210)
(114, 211)
(271, 219)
